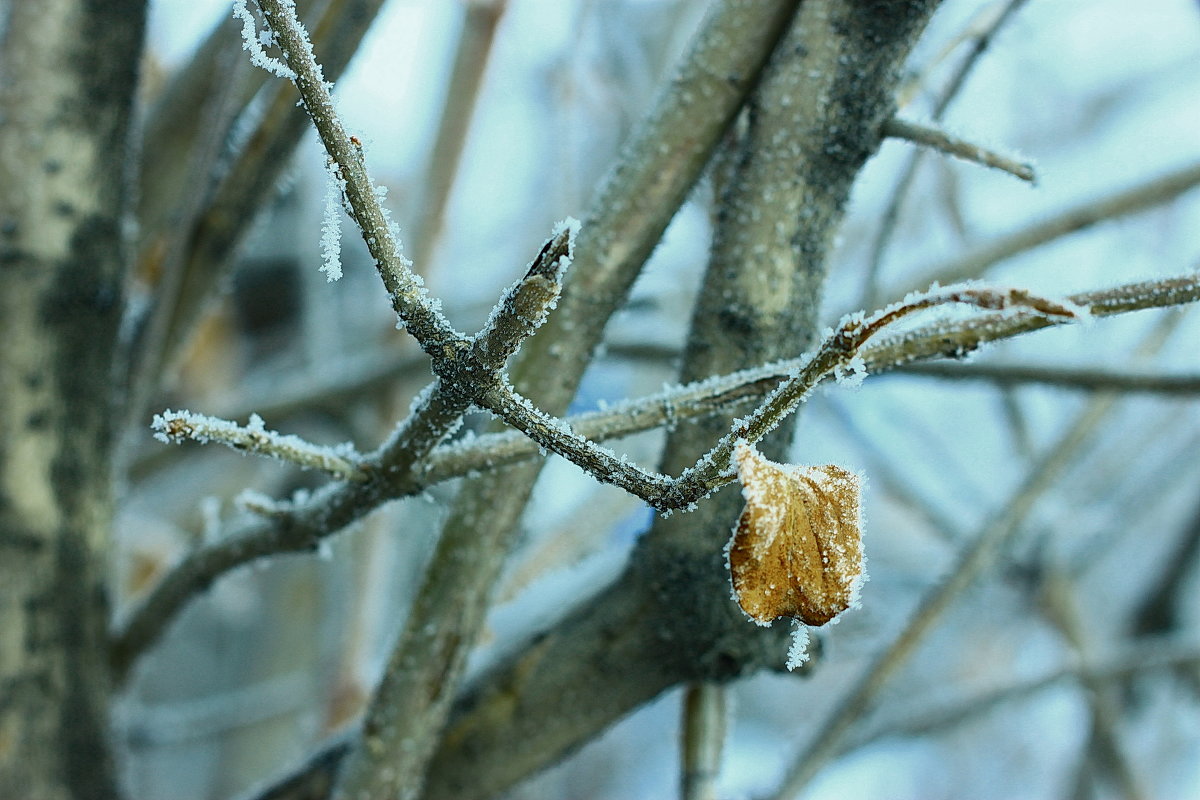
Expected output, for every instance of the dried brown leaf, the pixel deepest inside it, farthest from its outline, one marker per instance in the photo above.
(797, 549)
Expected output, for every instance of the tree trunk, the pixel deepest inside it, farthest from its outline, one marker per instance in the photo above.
(67, 81)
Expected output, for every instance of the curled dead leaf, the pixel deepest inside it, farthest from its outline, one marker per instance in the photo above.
(797, 549)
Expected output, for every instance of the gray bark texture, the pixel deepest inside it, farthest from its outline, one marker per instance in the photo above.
(67, 81)
(669, 619)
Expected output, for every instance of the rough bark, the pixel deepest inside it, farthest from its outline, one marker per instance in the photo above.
(669, 620)
(653, 175)
(66, 91)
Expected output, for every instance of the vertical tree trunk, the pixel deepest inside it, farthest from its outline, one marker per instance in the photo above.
(67, 75)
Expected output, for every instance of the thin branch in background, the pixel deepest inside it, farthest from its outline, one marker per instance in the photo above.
(702, 740)
(942, 141)
(1176, 469)
(929, 716)
(480, 19)
(1160, 610)
(982, 35)
(179, 426)
(830, 737)
(1071, 378)
(1132, 200)
(1060, 605)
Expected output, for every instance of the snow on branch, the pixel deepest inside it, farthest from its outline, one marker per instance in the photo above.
(403, 472)
(179, 426)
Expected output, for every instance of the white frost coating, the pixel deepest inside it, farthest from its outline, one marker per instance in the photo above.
(253, 43)
(177, 426)
(571, 226)
(852, 373)
(798, 652)
(331, 223)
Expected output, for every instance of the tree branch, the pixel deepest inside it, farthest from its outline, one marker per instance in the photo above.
(208, 240)
(952, 145)
(412, 305)
(1088, 380)
(668, 619)
(637, 200)
(1147, 194)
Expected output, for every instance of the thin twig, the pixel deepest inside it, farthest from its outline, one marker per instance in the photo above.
(1089, 380)
(480, 20)
(178, 426)
(702, 740)
(929, 136)
(1147, 194)
(212, 238)
(839, 351)
(413, 307)
(1060, 605)
(927, 717)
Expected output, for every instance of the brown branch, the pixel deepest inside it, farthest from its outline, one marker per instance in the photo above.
(644, 189)
(1071, 378)
(1132, 200)
(958, 147)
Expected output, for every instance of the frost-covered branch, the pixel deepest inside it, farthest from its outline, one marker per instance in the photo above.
(392, 471)
(948, 143)
(838, 354)
(194, 248)
(179, 426)
(397, 474)
(419, 314)
(737, 390)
